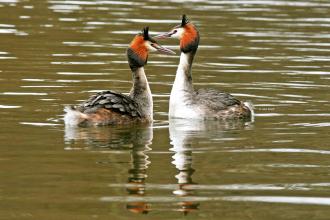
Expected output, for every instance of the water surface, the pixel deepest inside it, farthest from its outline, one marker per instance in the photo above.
(273, 53)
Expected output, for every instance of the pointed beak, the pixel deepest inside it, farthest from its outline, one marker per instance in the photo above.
(163, 35)
(163, 49)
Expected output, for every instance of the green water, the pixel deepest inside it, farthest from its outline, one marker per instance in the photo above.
(273, 53)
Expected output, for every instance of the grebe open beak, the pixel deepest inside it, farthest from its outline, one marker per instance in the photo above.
(163, 35)
(162, 49)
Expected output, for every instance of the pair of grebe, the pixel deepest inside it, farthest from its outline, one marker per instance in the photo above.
(112, 108)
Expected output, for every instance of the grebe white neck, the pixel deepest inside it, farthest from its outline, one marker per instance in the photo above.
(182, 90)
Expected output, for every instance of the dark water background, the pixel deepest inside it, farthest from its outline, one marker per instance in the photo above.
(58, 52)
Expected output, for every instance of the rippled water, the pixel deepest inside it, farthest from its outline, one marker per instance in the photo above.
(58, 52)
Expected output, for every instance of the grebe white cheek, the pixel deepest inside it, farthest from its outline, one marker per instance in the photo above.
(177, 33)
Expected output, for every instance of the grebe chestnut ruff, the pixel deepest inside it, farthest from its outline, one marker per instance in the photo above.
(185, 102)
(113, 108)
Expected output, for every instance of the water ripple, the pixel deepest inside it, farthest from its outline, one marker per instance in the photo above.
(271, 199)
(237, 187)
(79, 63)
(281, 199)
(39, 124)
(24, 93)
(280, 150)
(98, 2)
(10, 106)
(83, 44)
(10, 29)
(82, 74)
(322, 124)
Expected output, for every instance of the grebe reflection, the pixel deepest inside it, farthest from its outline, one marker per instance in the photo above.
(137, 174)
(182, 160)
(135, 139)
(184, 134)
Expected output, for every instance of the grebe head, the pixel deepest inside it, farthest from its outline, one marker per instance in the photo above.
(186, 32)
(140, 47)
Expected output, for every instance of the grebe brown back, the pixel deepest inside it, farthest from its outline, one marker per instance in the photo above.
(113, 108)
(185, 102)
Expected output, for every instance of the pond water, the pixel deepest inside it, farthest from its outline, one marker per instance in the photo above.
(58, 52)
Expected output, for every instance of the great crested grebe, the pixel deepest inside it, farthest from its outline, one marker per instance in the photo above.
(185, 102)
(113, 108)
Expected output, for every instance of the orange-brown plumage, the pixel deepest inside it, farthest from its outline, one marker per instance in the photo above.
(139, 47)
(190, 35)
(105, 116)
(138, 207)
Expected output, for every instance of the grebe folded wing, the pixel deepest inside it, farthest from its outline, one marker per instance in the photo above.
(112, 101)
(215, 99)
(221, 105)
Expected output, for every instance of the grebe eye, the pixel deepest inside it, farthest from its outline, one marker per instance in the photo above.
(175, 31)
(152, 44)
